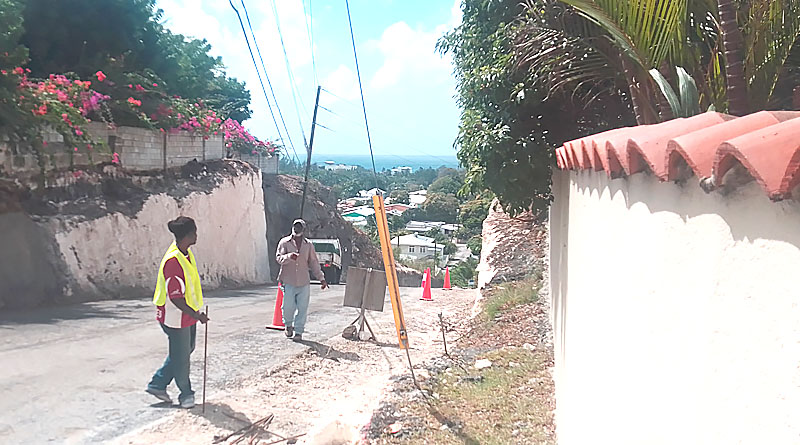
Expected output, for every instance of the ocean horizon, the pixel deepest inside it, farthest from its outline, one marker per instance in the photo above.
(387, 162)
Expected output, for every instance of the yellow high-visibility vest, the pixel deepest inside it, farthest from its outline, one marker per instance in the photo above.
(193, 292)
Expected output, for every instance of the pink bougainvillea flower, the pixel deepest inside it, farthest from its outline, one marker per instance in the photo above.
(155, 84)
(19, 71)
(78, 132)
(139, 88)
(100, 76)
(115, 158)
(76, 148)
(130, 86)
(4, 72)
(134, 102)
(44, 143)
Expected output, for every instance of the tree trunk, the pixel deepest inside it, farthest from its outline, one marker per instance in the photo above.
(635, 92)
(734, 61)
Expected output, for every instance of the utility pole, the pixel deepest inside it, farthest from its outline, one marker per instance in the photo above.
(310, 147)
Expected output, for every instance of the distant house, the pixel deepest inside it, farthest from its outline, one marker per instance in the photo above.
(418, 198)
(332, 166)
(401, 208)
(371, 192)
(355, 212)
(401, 170)
(424, 226)
(449, 229)
(358, 221)
(416, 246)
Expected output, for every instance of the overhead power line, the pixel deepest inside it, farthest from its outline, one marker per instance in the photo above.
(292, 84)
(361, 90)
(310, 30)
(264, 67)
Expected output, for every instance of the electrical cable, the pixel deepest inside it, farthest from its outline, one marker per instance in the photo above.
(361, 90)
(269, 83)
(292, 84)
(255, 65)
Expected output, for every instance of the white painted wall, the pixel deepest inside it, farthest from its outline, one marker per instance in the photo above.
(675, 312)
(117, 253)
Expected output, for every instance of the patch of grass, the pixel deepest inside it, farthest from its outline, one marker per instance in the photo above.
(512, 294)
(512, 404)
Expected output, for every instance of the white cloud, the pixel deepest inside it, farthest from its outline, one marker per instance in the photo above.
(343, 83)
(412, 52)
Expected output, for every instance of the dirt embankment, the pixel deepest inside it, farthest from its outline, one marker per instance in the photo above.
(513, 247)
(283, 195)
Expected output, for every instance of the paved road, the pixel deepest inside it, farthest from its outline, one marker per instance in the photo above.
(77, 374)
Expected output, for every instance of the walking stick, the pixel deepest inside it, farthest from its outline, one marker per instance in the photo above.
(205, 362)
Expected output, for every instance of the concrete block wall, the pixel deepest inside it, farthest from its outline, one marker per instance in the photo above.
(138, 148)
(267, 165)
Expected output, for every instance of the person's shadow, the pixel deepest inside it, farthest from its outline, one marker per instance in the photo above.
(328, 352)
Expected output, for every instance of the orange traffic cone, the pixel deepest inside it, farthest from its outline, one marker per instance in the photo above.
(277, 316)
(447, 279)
(426, 291)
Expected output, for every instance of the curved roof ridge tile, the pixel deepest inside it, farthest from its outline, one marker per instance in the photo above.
(770, 155)
(698, 148)
(650, 146)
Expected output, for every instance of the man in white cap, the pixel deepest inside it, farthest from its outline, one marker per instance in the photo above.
(297, 257)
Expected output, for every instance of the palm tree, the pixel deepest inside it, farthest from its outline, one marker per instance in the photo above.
(734, 62)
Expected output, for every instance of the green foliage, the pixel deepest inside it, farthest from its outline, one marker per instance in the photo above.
(449, 184)
(471, 214)
(84, 36)
(12, 55)
(399, 196)
(475, 244)
(464, 272)
(512, 118)
(441, 207)
(685, 102)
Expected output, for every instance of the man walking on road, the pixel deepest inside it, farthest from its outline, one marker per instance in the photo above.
(297, 257)
(179, 282)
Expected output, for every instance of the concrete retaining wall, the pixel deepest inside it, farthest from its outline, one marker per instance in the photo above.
(57, 258)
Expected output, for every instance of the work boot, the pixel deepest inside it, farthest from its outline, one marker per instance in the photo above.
(289, 331)
(298, 337)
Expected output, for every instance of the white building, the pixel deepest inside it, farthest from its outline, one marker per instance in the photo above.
(332, 166)
(371, 192)
(401, 170)
(418, 198)
(415, 246)
(424, 226)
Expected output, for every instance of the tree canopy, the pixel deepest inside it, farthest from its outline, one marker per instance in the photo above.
(127, 36)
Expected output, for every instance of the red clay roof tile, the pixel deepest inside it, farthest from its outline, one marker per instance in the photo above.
(766, 143)
(771, 155)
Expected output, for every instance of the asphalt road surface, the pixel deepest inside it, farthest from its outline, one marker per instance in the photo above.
(77, 374)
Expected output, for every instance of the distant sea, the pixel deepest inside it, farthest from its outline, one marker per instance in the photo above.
(388, 162)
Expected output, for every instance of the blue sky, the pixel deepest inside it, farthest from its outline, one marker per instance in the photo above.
(408, 87)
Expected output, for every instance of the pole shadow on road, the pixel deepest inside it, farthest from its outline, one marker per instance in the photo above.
(328, 352)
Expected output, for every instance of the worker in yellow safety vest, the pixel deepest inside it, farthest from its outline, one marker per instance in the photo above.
(179, 282)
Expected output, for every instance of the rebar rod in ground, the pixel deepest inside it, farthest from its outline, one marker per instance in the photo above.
(261, 424)
(285, 439)
(444, 337)
(241, 430)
